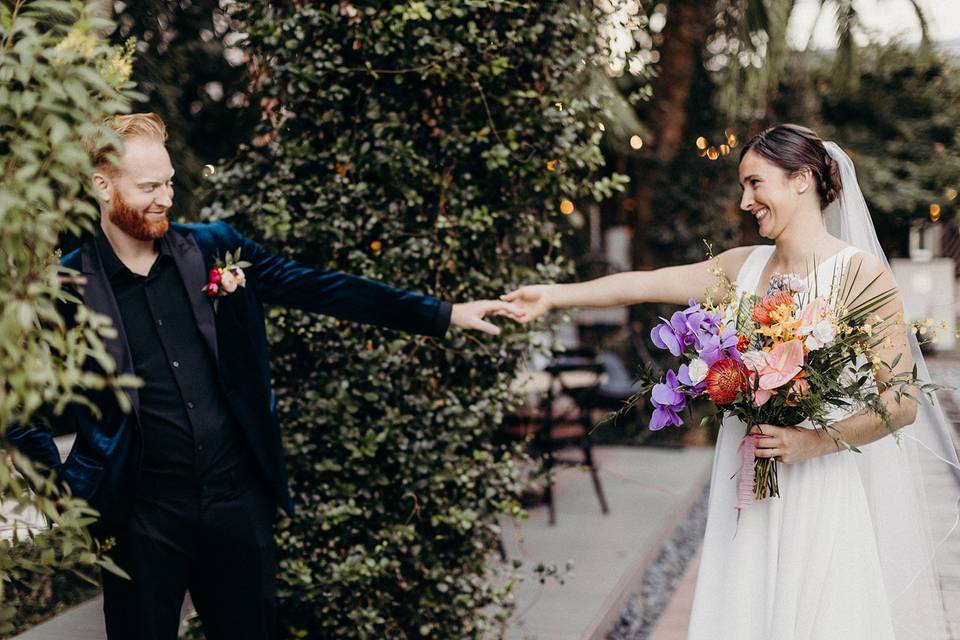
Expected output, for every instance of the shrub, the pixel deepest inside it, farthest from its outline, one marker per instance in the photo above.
(57, 83)
(428, 144)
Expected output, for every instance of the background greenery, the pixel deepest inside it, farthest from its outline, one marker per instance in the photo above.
(58, 80)
(429, 145)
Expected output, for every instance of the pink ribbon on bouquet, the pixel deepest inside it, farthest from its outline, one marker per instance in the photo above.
(745, 485)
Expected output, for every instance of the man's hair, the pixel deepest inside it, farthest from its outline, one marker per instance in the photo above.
(134, 125)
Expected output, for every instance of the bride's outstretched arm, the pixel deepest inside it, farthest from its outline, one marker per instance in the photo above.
(672, 285)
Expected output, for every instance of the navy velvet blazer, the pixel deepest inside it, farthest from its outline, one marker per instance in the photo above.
(103, 465)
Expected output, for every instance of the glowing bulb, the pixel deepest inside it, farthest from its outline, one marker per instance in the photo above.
(934, 212)
(702, 143)
(601, 126)
(376, 246)
(636, 142)
(208, 170)
(566, 207)
(951, 194)
(556, 165)
(712, 153)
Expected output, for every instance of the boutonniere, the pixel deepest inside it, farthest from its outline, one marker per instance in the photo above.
(224, 278)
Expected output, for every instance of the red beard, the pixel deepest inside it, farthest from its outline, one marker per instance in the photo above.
(134, 223)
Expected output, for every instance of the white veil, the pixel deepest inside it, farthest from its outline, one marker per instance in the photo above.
(912, 486)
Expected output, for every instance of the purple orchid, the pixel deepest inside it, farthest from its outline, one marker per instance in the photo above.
(690, 327)
(668, 400)
(721, 345)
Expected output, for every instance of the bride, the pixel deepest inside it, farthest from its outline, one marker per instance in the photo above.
(848, 549)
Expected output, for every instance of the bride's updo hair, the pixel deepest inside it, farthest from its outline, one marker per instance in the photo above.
(794, 148)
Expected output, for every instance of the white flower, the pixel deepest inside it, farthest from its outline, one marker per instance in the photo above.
(698, 371)
(228, 281)
(241, 276)
(798, 284)
(820, 335)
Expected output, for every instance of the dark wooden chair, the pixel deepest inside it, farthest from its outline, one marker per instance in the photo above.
(562, 420)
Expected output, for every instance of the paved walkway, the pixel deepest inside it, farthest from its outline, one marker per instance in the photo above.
(649, 491)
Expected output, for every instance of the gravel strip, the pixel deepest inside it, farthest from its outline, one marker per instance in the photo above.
(651, 596)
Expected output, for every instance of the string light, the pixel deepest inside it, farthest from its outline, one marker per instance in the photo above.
(636, 142)
(702, 143)
(557, 165)
(934, 212)
(558, 105)
(376, 246)
(951, 193)
(208, 170)
(566, 207)
(601, 126)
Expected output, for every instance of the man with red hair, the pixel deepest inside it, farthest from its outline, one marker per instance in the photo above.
(189, 481)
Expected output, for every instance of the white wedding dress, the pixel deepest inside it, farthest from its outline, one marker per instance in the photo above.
(804, 566)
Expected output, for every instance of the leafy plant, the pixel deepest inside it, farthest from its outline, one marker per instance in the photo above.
(432, 145)
(58, 81)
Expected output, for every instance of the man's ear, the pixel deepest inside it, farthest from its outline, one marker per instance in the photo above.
(103, 187)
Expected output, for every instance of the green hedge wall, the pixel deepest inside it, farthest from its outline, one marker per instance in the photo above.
(411, 143)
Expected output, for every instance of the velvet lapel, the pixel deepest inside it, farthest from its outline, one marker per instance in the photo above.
(189, 260)
(98, 295)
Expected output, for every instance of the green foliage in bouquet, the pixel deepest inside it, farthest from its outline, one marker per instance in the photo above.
(58, 81)
(430, 145)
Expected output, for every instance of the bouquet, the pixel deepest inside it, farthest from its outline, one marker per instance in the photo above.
(783, 358)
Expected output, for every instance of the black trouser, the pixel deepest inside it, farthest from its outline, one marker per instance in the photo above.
(216, 541)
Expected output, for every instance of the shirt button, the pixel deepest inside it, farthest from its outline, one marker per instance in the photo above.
(190, 405)
(176, 363)
(159, 322)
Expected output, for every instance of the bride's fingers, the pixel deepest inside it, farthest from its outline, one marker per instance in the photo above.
(768, 453)
(768, 442)
(511, 297)
(502, 308)
(765, 429)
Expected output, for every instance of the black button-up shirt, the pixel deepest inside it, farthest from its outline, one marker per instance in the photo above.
(188, 433)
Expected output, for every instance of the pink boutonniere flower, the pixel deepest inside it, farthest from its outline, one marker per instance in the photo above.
(225, 277)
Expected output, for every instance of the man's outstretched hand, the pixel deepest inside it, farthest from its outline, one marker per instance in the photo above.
(470, 315)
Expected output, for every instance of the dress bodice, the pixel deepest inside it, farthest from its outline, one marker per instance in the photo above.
(823, 279)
